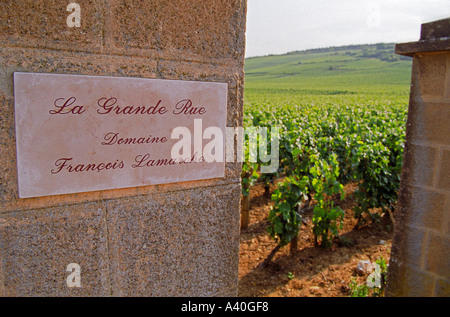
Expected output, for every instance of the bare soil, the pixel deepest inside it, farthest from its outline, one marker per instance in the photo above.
(311, 271)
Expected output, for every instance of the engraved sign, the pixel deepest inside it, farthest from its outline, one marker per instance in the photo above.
(77, 133)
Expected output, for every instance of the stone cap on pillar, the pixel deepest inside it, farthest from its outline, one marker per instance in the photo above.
(434, 37)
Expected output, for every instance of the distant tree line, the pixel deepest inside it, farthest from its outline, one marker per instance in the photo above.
(382, 51)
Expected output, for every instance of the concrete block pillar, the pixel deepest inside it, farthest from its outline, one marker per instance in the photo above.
(420, 259)
(179, 239)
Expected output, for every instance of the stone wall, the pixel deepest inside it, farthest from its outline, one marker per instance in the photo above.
(420, 259)
(167, 240)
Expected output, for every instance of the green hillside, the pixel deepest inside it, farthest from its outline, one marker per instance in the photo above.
(347, 70)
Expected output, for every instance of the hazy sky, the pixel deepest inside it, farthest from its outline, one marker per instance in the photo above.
(281, 26)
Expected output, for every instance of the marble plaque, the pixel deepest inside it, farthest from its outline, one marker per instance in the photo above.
(77, 133)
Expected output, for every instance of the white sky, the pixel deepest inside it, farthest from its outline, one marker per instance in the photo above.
(281, 26)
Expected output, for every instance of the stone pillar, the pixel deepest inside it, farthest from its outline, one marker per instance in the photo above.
(420, 259)
(165, 240)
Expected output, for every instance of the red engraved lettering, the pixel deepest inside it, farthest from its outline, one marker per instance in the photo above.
(65, 106)
(186, 107)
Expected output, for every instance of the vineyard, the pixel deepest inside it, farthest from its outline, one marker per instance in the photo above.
(341, 138)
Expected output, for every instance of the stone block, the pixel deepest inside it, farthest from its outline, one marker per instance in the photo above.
(427, 208)
(133, 24)
(407, 281)
(438, 254)
(409, 245)
(444, 171)
(37, 246)
(419, 259)
(180, 30)
(176, 244)
(8, 173)
(43, 23)
(435, 30)
(447, 81)
(429, 121)
(442, 288)
(430, 78)
(419, 163)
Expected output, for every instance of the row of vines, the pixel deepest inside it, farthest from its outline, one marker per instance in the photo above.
(323, 147)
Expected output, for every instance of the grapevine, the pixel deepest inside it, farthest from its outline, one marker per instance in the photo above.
(323, 147)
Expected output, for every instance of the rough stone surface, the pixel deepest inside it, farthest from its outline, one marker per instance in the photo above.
(444, 175)
(409, 49)
(171, 30)
(431, 71)
(409, 282)
(419, 258)
(178, 244)
(435, 30)
(409, 246)
(210, 29)
(427, 208)
(442, 288)
(37, 246)
(182, 244)
(42, 23)
(429, 122)
(419, 163)
(437, 261)
(165, 240)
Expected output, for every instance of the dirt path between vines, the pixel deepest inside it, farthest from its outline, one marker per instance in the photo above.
(311, 271)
